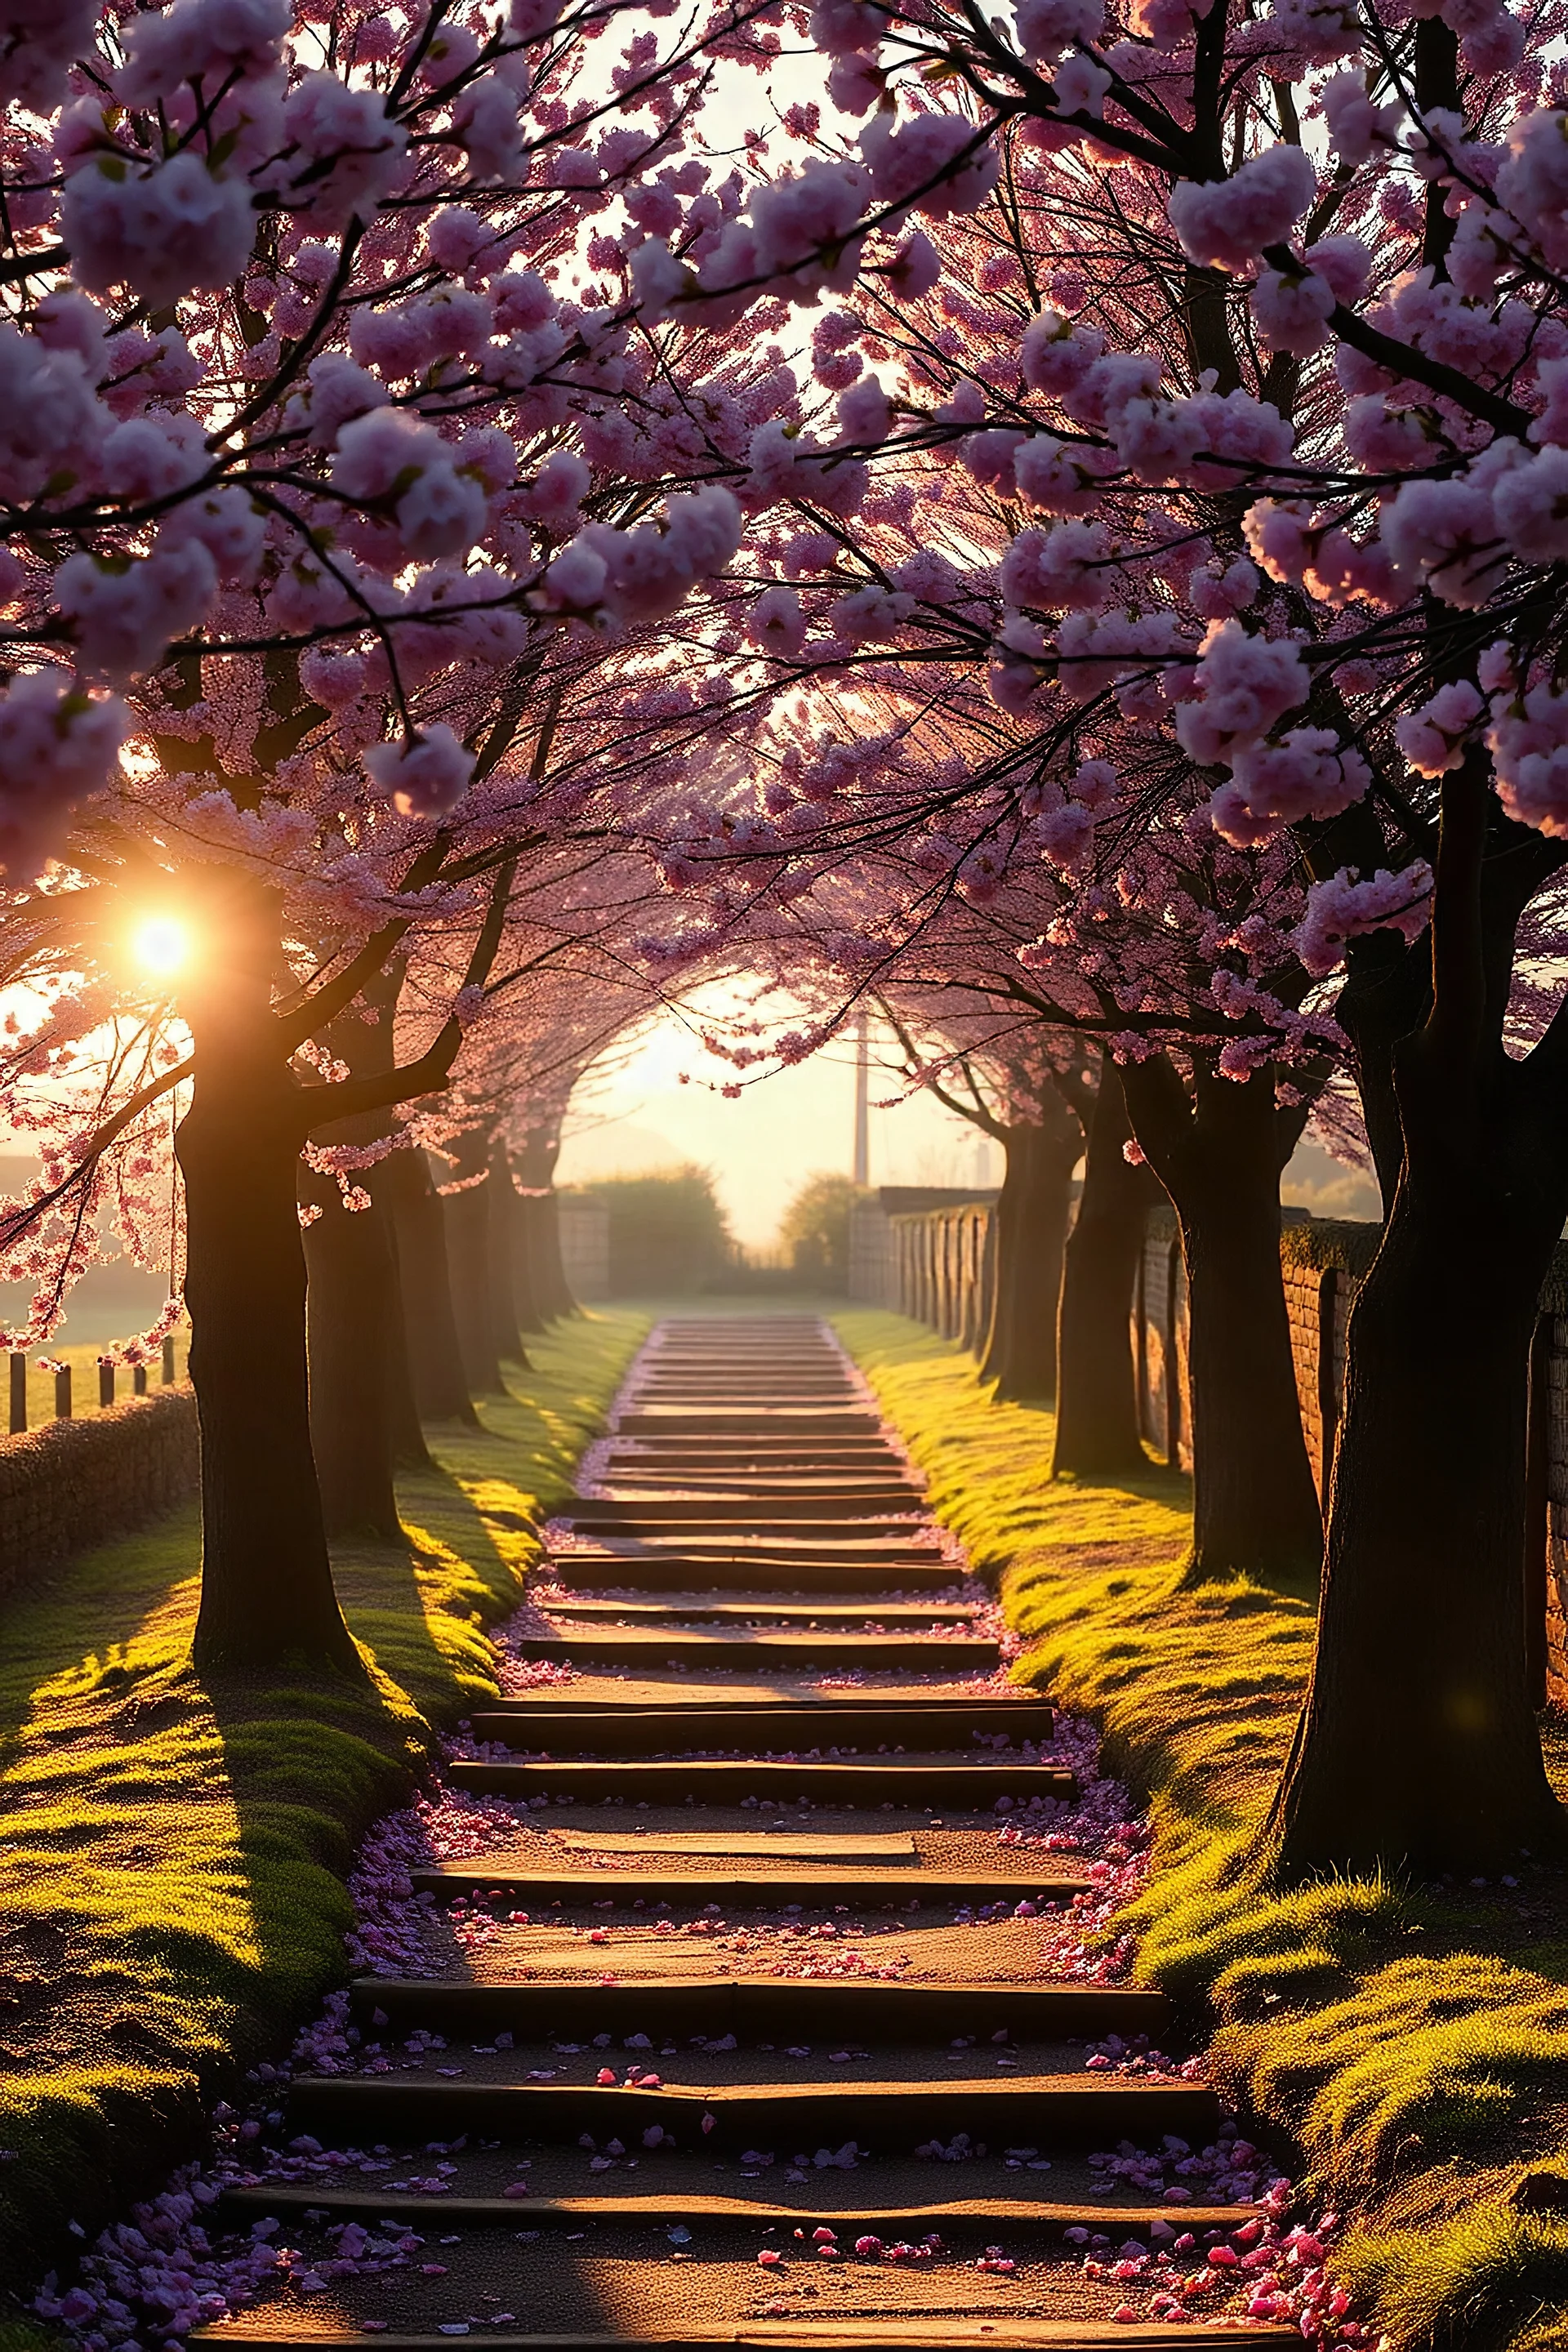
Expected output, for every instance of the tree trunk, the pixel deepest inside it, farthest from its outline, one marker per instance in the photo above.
(409, 1451)
(552, 1291)
(468, 1215)
(1254, 1504)
(435, 1358)
(1417, 1746)
(354, 1328)
(1032, 1215)
(532, 1312)
(526, 1212)
(511, 1291)
(266, 1581)
(1097, 1431)
(1004, 1250)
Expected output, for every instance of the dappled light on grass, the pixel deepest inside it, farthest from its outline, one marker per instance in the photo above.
(172, 1877)
(1411, 2040)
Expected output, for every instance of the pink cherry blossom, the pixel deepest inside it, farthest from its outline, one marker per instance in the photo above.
(423, 777)
(160, 231)
(1244, 683)
(1226, 224)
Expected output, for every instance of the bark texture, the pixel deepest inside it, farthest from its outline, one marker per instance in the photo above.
(403, 1181)
(1218, 1150)
(1032, 1214)
(1096, 1424)
(509, 1243)
(468, 1253)
(355, 1335)
(1417, 1745)
(266, 1581)
(552, 1291)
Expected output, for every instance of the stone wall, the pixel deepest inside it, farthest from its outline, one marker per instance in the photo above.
(1323, 1260)
(74, 1483)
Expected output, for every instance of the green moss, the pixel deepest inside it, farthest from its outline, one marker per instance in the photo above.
(1408, 2050)
(171, 1894)
(1346, 1244)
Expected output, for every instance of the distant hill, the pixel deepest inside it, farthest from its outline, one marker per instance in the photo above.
(616, 1149)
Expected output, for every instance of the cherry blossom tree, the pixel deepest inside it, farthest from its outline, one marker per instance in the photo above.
(947, 865)
(321, 492)
(1275, 298)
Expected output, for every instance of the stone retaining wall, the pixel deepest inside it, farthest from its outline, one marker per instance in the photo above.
(936, 1267)
(74, 1483)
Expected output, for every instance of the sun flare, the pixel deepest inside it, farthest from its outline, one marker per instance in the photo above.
(163, 945)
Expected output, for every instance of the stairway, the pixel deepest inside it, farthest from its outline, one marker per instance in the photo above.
(750, 1976)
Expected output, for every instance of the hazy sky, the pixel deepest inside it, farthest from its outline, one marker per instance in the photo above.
(633, 1114)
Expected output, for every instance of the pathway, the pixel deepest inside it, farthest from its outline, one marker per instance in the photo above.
(739, 2035)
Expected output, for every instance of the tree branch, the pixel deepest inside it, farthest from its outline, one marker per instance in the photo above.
(378, 1090)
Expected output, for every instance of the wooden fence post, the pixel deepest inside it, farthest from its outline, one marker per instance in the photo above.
(105, 1385)
(139, 1380)
(168, 1362)
(18, 1392)
(63, 1393)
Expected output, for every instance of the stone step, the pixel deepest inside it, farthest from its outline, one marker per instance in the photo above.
(747, 1462)
(744, 1461)
(747, 1465)
(864, 1542)
(922, 2333)
(944, 1724)
(601, 1571)
(803, 1376)
(762, 1653)
(1059, 2111)
(847, 1445)
(865, 1548)
(750, 1384)
(631, 1478)
(702, 1609)
(915, 1782)
(745, 1421)
(774, 1890)
(761, 2009)
(355, 2203)
(850, 1504)
(691, 1701)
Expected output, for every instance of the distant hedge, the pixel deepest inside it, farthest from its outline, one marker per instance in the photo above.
(668, 1232)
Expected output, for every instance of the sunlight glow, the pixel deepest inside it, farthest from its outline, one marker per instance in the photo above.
(163, 945)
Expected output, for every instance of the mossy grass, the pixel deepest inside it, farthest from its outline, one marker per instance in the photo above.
(1403, 2047)
(171, 1875)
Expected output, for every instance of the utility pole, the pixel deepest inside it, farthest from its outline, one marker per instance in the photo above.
(862, 1097)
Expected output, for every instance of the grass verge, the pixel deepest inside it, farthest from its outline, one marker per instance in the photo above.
(172, 1880)
(1409, 2043)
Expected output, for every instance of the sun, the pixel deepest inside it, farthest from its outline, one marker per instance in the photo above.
(163, 945)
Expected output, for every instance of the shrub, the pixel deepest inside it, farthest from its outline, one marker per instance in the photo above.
(815, 1229)
(668, 1232)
